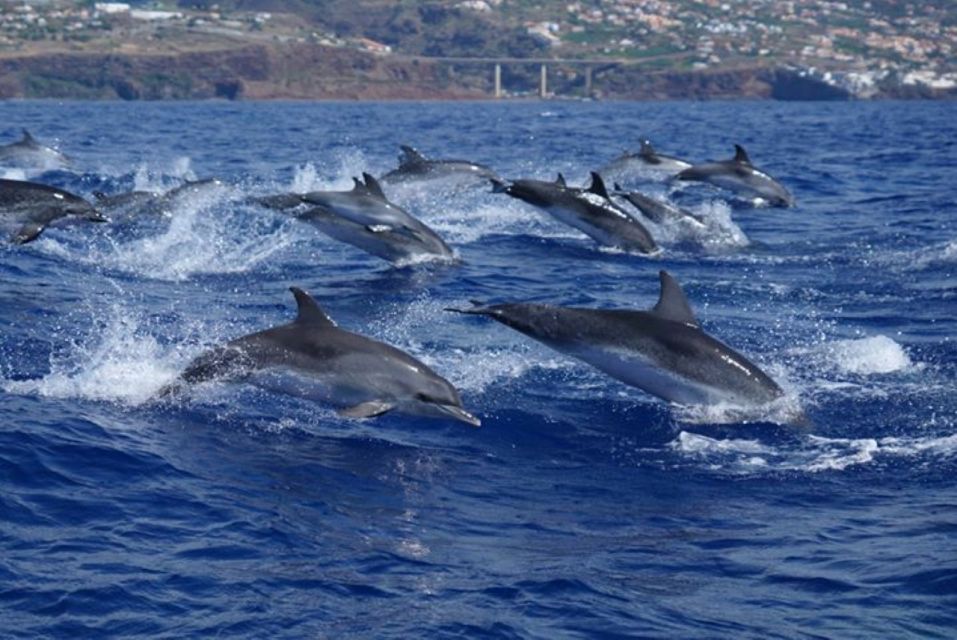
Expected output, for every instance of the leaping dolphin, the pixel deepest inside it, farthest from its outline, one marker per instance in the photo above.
(647, 159)
(312, 358)
(742, 177)
(27, 208)
(590, 210)
(415, 166)
(662, 351)
(365, 218)
(658, 210)
(28, 152)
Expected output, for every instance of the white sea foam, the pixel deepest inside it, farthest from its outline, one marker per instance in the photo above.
(205, 234)
(862, 356)
(305, 178)
(121, 363)
(787, 409)
(718, 234)
(467, 226)
(14, 174)
(815, 454)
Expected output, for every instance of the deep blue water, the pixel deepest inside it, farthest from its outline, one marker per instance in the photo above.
(582, 507)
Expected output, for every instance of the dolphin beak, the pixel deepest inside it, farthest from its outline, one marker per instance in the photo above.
(96, 216)
(458, 413)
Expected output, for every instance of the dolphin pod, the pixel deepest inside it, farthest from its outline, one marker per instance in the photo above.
(662, 351)
(313, 358)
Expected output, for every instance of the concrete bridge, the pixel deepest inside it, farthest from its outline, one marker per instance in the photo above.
(496, 65)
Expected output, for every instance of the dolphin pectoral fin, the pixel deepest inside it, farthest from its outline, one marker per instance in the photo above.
(27, 233)
(369, 409)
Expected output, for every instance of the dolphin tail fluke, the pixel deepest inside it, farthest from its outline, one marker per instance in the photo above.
(479, 309)
(498, 185)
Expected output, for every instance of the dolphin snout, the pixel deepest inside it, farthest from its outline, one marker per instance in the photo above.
(96, 216)
(458, 413)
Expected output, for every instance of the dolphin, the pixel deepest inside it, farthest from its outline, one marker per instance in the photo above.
(646, 160)
(365, 218)
(312, 358)
(386, 243)
(414, 166)
(28, 152)
(137, 203)
(658, 210)
(589, 210)
(126, 204)
(742, 177)
(662, 351)
(364, 204)
(27, 208)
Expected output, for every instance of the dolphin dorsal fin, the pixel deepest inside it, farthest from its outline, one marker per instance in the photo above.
(358, 185)
(27, 138)
(410, 156)
(740, 155)
(672, 303)
(373, 186)
(598, 186)
(646, 148)
(560, 180)
(309, 311)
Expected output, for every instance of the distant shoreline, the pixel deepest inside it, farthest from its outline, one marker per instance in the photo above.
(312, 72)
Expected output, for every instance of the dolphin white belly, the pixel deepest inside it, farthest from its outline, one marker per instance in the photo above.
(639, 371)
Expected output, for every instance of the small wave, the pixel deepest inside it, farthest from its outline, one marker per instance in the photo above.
(938, 254)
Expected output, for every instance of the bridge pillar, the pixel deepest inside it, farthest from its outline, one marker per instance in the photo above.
(498, 80)
(543, 83)
(587, 82)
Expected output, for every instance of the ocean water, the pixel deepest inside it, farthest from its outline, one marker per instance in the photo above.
(582, 507)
